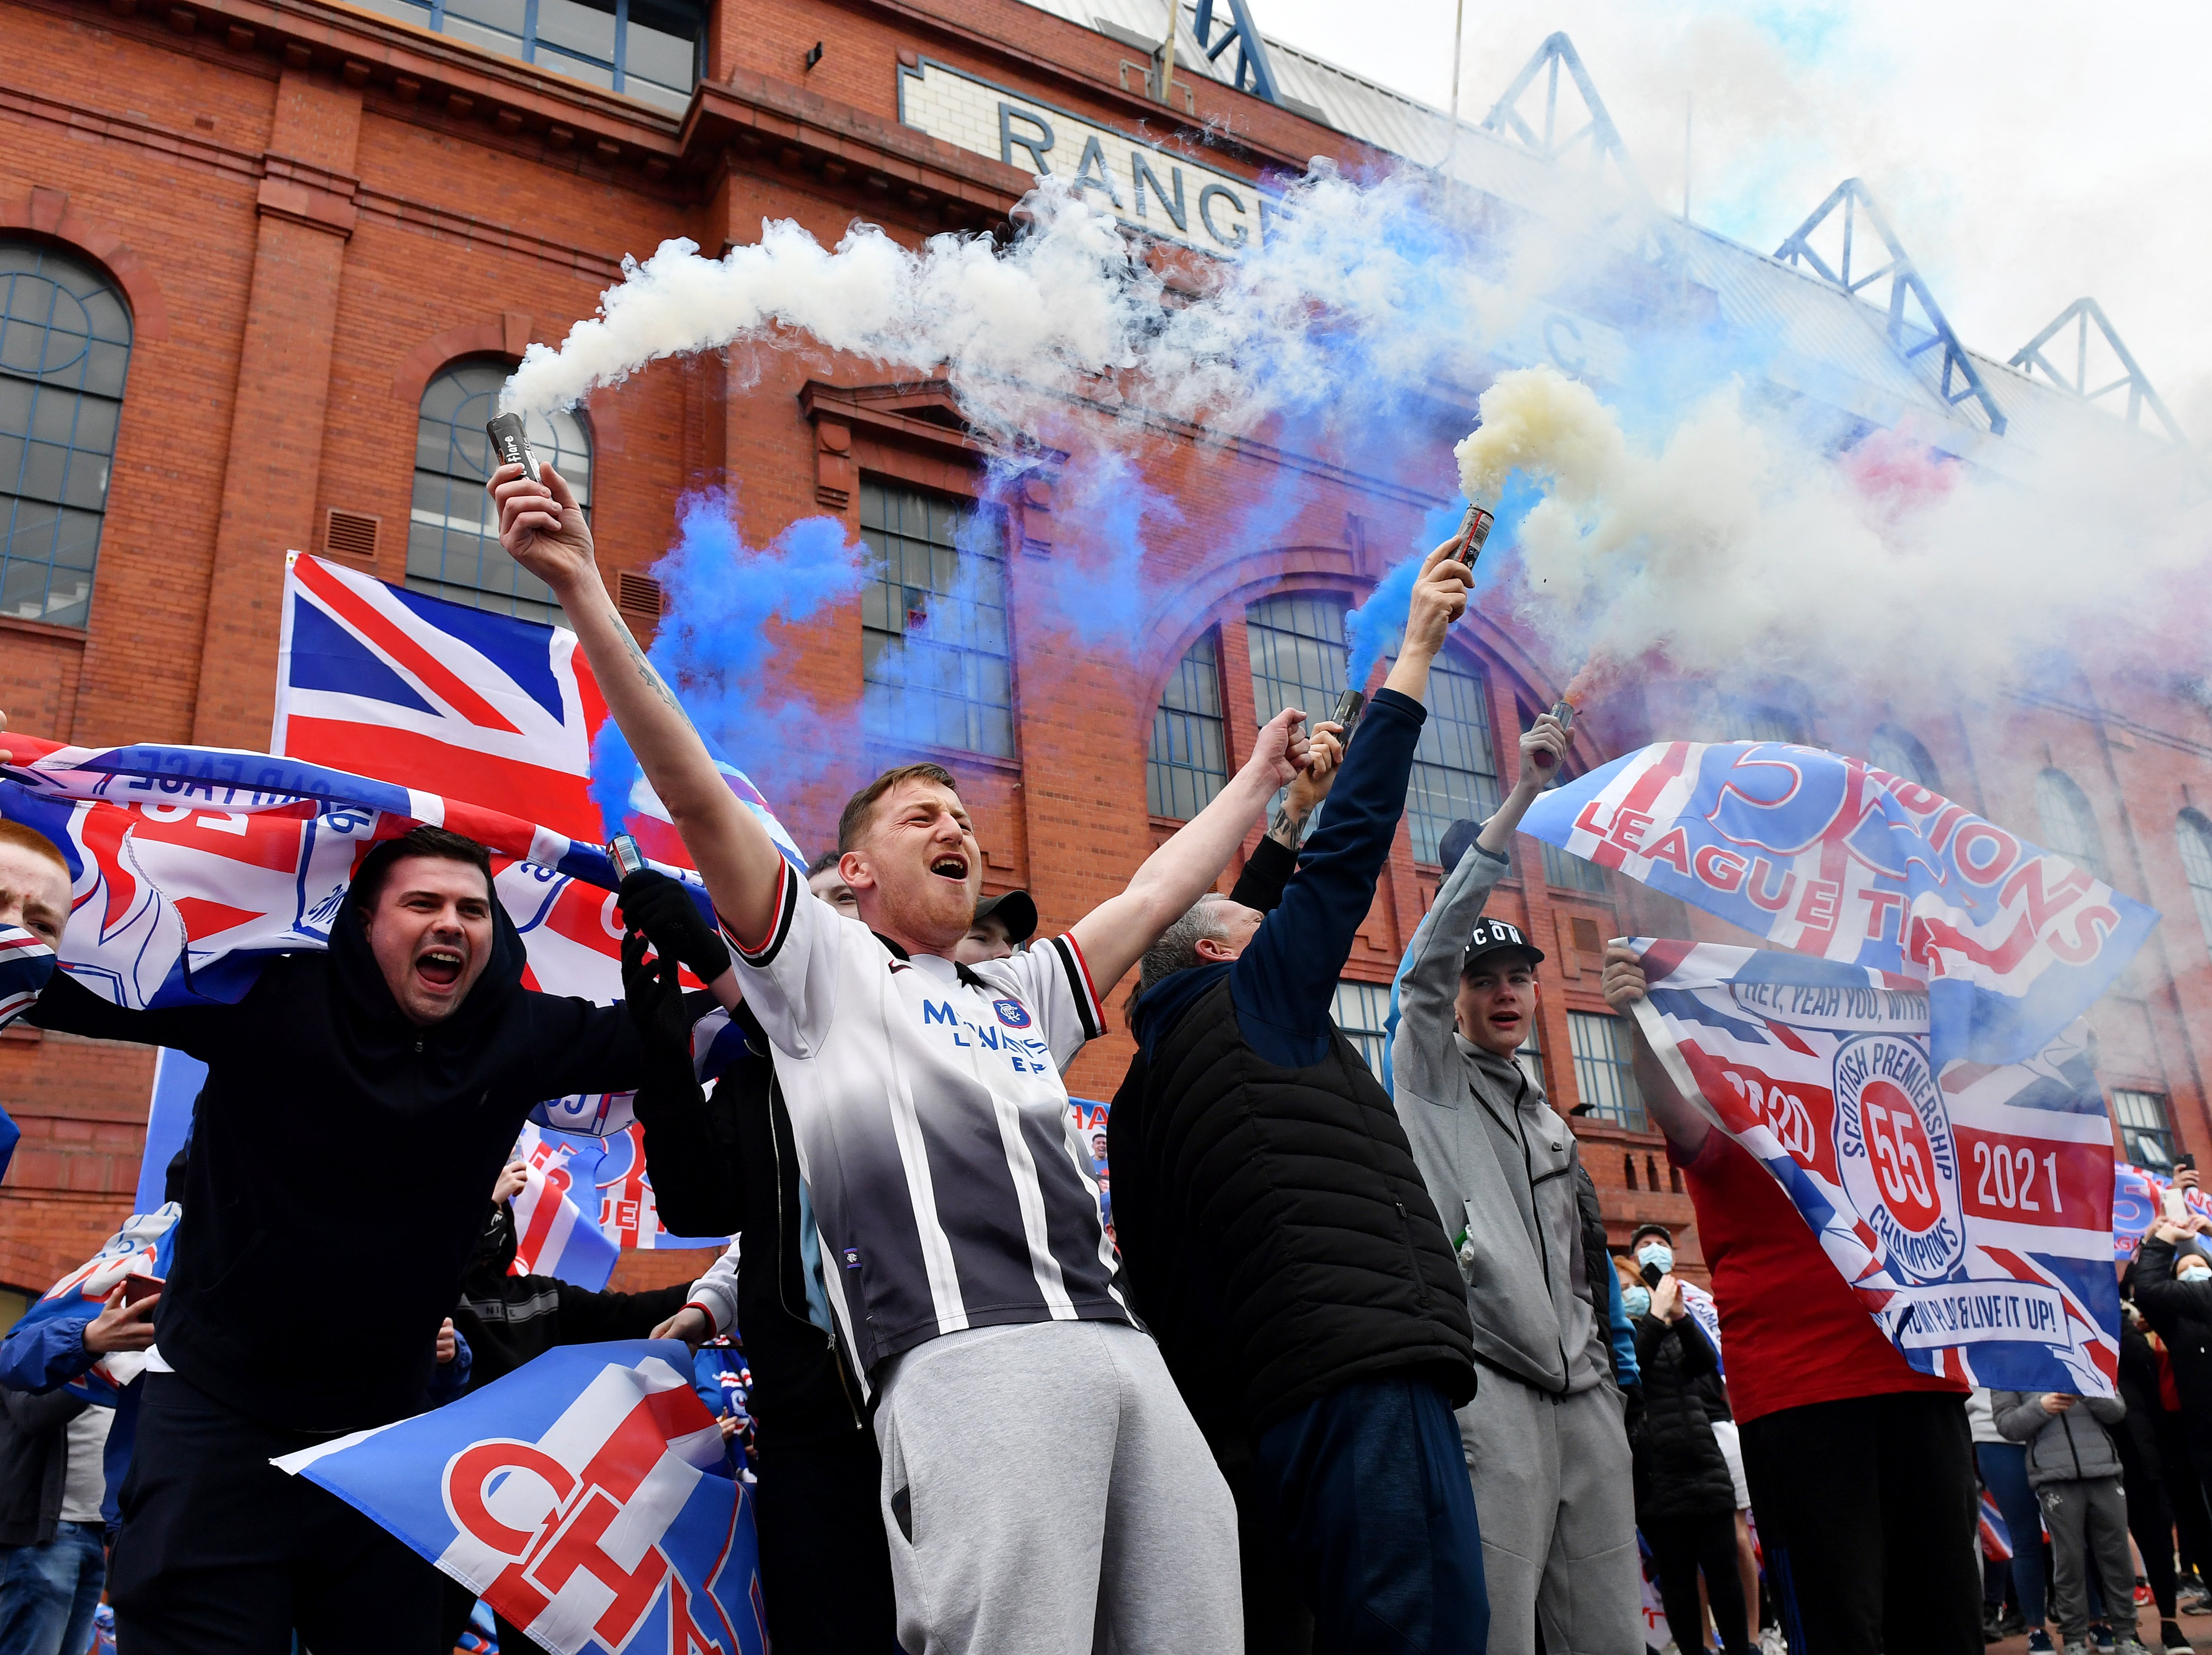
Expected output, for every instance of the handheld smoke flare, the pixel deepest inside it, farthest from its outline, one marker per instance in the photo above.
(1349, 706)
(1473, 531)
(511, 444)
(1565, 712)
(623, 852)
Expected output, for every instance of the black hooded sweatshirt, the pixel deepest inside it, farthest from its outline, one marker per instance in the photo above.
(303, 1295)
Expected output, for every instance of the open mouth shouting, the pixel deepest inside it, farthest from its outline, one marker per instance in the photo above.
(949, 865)
(440, 968)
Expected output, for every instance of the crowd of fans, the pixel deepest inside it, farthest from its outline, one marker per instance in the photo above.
(1352, 1366)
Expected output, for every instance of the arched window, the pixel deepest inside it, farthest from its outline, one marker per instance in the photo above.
(1455, 767)
(452, 530)
(936, 661)
(2195, 834)
(1768, 724)
(2069, 827)
(1893, 751)
(1299, 656)
(1188, 762)
(65, 351)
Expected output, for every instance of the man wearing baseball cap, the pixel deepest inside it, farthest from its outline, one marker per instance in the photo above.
(1002, 924)
(1543, 1437)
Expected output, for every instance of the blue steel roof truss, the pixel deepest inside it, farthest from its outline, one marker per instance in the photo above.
(2082, 313)
(1254, 73)
(1905, 283)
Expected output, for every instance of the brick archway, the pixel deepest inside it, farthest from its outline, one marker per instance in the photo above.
(47, 214)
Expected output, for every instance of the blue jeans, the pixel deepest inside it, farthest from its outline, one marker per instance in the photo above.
(48, 1593)
(1370, 1491)
(2004, 1473)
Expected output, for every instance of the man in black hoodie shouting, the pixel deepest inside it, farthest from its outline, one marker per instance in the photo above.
(415, 1030)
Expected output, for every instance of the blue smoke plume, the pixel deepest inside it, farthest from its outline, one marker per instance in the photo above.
(715, 647)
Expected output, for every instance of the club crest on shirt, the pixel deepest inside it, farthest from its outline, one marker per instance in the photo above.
(1011, 1012)
(1894, 1148)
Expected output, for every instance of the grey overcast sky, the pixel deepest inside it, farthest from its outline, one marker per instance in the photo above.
(2028, 153)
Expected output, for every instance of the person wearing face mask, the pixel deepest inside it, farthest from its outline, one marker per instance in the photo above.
(1543, 1439)
(414, 1026)
(1685, 1495)
(2173, 1289)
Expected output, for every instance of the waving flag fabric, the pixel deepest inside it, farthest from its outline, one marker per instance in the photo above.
(1997, 1539)
(580, 1496)
(1969, 1205)
(1702, 1309)
(1821, 853)
(419, 690)
(2138, 1199)
(143, 1246)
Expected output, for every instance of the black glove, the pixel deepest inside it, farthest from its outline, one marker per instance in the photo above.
(663, 908)
(690, 1138)
(654, 994)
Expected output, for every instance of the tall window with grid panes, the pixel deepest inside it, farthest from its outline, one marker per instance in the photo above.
(936, 662)
(1603, 1076)
(452, 526)
(2069, 826)
(1188, 762)
(2146, 1128)
(65, 352)
(2194, 836)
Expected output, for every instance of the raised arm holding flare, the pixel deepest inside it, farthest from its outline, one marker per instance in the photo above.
(964, 1263)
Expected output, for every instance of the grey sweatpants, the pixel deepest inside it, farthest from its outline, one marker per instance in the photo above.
(1557, 1500)
(2088, 1524)
(1046, 1493)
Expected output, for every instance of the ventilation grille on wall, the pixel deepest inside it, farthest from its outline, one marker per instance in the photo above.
(638, 597)
(351, 534)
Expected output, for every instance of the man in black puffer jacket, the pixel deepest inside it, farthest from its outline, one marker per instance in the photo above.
(1283, 1249)
(1685, 1496)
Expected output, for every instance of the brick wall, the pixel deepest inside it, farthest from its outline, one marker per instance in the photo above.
(311, 212)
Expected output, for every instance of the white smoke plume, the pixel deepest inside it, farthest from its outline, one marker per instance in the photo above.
(1713, 532)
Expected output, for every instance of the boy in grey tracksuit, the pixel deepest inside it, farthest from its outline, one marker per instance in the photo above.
(1543, 1437)
(2074, 1470)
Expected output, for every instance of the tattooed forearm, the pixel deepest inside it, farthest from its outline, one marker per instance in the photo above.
(1284, 829)
(653, 681)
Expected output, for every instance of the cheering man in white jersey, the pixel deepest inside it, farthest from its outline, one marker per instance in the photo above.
(1044, 1484)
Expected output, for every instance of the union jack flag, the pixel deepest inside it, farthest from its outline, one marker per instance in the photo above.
(425, 692)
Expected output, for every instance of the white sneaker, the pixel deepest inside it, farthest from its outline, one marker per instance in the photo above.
(2130, 1646)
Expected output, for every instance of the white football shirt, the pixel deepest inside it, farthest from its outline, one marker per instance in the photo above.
(933, 1130)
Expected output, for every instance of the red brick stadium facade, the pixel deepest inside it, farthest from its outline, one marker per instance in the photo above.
(310, 211)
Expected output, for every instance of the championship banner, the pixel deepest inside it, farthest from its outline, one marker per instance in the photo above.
(585, 1497)
(143, 1246)
(1819, 853)
(1968, 1205)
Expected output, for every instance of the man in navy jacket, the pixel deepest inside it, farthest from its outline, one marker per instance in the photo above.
(1282, 1246)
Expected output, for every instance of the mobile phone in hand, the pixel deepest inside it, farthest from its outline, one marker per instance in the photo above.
(138, 1287)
